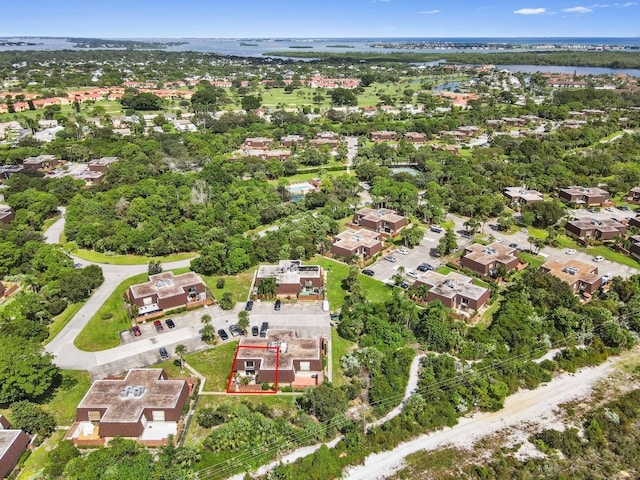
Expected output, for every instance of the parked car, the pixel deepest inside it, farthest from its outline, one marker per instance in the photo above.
(277, 305)
(389, 258)
(425, 267)
(499, 240)
(223, 335)
(570, 251)
(402, 251)
(170, 323)
(335, 317)
(404, 285)
(249, 306)
(591, 210)
(235, 331)
(136, 331)
(606, 277)
(263, 329)
(412, 274)
(624, 208)
(513, 245)
(598, 258)
(163, 353)
(368, 272)
(609, 209)
(435, 228)
(158, 325)
(255, 331)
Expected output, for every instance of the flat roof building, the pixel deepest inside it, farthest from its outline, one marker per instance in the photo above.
(293, 279)
(13, 443)
(454, 290)
(583, 195)
(166, 290)
(362, 243)
(522, 195)
(383, 220)
(605, 229)
(580, 276)
(487, 259)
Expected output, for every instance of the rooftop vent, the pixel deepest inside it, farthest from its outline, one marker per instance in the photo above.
(138, 391)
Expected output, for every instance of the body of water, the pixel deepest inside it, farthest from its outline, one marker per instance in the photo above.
(634, 72)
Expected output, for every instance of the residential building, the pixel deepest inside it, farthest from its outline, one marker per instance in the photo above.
(597, 229)
(305, 282)
(298, 364)
(489, 259)
(166, 290)
(415, 137)
(41, 162)
(634, 249)
(101, 164)
(144, 405)
(583, 195)
(325, 138)
(454, 290)
(634, 195)
(382, 220)
(519, 196)
(7, 170)
(268, 154)
(13, 443)
(257, 143)
(635, 221)
(580, 276)
(384, 136)
(361, 243)
(6, 214)
(291, 140)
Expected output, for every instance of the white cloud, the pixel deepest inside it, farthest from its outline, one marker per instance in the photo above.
(577, 10)
(429, 12)
(531, 11)
(628, 4)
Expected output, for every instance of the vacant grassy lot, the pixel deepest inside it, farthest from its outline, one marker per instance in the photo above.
(339, 348)
(38, 459)
(612, 255)
(102, 330)
(337, 272)
(97, 257)
(239, 285)
(534, 261)
(75, 384)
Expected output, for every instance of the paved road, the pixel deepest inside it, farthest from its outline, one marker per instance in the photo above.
(352, 151)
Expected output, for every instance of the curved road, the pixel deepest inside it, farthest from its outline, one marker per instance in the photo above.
(67, 355)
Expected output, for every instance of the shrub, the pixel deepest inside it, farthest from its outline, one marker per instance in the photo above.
(220, 283)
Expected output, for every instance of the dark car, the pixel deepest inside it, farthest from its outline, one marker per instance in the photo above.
(170, 323)
(425, 267)
(249, 306)
(136, 331)
(263, 329)
(513, 245)
(335, 317)
(277, 305)
(158, 325)
(255, 331)
(235, 331)
(223, 335)
(368, 272)
(163, 353)
(404, 285)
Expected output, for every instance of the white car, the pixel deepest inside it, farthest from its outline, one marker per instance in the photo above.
(570, 251)
(412, 274)
(598, 258)
(606, 277)
(499, 240)
(403, 251)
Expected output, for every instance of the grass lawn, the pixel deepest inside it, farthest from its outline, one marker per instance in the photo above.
(487, 316)
(448, 224)
(337, 272)
(239, 285)
(613, 256)
(102, 334)
(38, 459)
(61, 320)
(444, 270)
(480, 283)
(534, 261)
(339, 348)
(92, 256)
(65, 400)
(215, 364)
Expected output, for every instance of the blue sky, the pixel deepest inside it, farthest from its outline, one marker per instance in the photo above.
(325, 18)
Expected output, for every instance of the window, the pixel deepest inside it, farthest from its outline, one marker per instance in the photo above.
(148, 300)
(464, 302)
(305, 366)
(157, 415)
(249, 365)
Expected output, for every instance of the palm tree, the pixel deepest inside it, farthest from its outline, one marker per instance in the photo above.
(188, 456)
(180, 351)
(206, 319)
(268, 288)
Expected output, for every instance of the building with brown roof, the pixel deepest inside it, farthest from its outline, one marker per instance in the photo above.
(580, 276)
(634, 195)
(382, 220)
(519, 196)
(13, 443)
(6, 214)
(101, 164)
(488, 259)
(583, 195)
(634, 249)
(144, 406)
(454, 290)
(41, 162)
(7, 170)
(415, 137)
(605, 229)
(361, 243)
(293, 279)
(384, 136)
(258, 143)
(291, 140)
(299, 360)
(166, 290)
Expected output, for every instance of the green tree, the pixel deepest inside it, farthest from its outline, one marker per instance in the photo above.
(226, 301)
(243, 320)
(25, 371)
(180, 350)
(58, 458)
(413, 236)
(155, 267)
(251, 102)
(342, 97)
(268, 288)
(31, 418)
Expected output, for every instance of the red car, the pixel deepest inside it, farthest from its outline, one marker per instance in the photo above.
(158, 325)
(136, 331)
